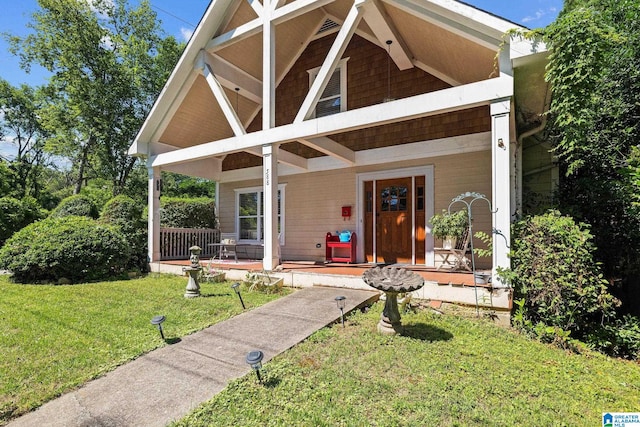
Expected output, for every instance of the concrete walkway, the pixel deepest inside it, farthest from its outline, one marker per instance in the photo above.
(164, 385)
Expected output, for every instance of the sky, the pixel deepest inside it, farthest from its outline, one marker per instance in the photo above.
(180, 18)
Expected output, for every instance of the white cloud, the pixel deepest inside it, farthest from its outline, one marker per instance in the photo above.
(186, 33)
(539, 14)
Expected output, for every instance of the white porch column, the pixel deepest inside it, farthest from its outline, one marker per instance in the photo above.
(154, 214)
(501, 184)
(271, 257)
(270, 190)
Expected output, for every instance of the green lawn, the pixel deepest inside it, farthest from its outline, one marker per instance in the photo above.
(54, 338)
(446, 370)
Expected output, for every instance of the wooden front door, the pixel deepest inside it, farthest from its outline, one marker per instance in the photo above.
(394, 222)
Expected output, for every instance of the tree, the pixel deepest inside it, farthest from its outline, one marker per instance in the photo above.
(178, 185)
(594, 73)
(21, 125)
(108, 63)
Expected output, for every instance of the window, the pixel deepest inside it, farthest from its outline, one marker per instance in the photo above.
(250, 217)
(394, 199)
(334, 98)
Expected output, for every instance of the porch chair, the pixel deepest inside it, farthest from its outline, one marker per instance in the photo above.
(456, 257)
(228, 246)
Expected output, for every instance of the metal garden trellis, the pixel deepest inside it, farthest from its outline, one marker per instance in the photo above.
(468, 199)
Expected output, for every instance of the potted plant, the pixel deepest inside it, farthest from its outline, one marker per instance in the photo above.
(449, 227)
(211, 273)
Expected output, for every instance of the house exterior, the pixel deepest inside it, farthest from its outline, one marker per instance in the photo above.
(365, 115)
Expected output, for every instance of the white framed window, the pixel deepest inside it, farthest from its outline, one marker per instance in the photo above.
(334, 97)
(250, 217)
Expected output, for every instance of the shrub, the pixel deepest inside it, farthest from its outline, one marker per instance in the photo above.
(556, 281)
(188, 213)
(77, 249)
(16, 214)
(619, 338)
(123, 212)
(76, 205)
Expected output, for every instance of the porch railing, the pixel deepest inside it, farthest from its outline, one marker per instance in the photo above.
(175, 242)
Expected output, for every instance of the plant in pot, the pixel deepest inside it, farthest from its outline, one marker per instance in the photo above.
(449, 227)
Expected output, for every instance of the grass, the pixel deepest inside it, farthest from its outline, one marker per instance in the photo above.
(55, 338)
(444, 370)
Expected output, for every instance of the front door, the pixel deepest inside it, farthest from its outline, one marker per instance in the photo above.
(394, 222)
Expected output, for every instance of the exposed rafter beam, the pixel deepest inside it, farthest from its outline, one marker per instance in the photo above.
(384, 29)
(330, 62)
(223, 101)
(284, 157)
(233, 77)
(251, 28)
(240, 33)
(297, 8)
(277, 3)
(331, 148)
(428, 104)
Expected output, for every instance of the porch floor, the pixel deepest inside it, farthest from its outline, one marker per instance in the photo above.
(445, 277)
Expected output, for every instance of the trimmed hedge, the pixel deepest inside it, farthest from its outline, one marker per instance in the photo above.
(123, 212)
(188, 213)
(76, 205)
(76, 249)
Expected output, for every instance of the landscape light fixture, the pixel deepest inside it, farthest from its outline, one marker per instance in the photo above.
(157, 320)
(236, 288)
(254, 359)
(340, 302)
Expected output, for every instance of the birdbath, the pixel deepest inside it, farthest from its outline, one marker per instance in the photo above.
(392, 281)
(193, 287)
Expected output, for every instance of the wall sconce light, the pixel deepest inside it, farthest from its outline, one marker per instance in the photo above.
(340, 302)
(157, 320)
(254, 359)
(236, 288)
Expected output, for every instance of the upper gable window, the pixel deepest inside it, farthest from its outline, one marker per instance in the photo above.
(334, 98)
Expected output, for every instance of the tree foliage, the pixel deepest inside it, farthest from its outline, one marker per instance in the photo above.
(178, 185)
(16, 214)
(594, 72)
(21, 125)
(108, 63)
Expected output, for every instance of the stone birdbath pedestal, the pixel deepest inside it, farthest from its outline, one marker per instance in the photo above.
(193, 287)
(392, 281)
